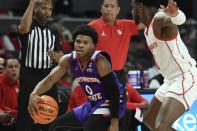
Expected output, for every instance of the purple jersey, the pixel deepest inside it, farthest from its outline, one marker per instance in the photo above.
(89, 80)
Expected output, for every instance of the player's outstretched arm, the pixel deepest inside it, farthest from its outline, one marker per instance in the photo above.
(44, 85)
(173, 16)
(111, 89)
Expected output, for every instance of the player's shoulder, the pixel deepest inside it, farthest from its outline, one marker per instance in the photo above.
(66, 56)
(103, 58)
(160, 16)
(65, 59)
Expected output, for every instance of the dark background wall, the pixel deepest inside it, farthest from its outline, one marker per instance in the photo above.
(82, 6)
(81, 9)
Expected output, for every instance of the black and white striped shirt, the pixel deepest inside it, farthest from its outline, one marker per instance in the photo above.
(36, 44)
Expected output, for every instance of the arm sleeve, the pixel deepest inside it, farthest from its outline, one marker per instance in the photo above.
(111, 88)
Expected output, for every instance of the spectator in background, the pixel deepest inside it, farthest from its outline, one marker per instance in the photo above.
(134, 100)
(155, 78)
(9, 88)
(2, 61)
(114, 35)
(77, 98)
(40, 51)
(189, 42)
(64, 33)
(10, 42)
(2, 47)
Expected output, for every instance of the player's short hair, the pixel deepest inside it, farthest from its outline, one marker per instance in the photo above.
(149, 3)
(86, 30)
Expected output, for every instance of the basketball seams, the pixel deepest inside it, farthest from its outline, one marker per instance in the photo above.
(47, 110)
(55, 107)
(42, 113)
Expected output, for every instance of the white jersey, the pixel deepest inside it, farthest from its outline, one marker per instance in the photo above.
(171, 55)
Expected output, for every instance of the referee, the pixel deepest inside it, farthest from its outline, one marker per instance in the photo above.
(40, 50)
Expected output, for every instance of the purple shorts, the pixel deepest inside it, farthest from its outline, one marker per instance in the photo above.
(84, 111)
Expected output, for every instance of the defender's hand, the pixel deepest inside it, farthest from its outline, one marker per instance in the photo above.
(171, 9)
(55, 55)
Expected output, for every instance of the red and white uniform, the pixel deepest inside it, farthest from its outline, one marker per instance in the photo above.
(176, 65)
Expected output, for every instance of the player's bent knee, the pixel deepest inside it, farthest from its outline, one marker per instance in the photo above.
(162, 126)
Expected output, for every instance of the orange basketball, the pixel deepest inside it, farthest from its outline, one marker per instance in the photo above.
(47, 110)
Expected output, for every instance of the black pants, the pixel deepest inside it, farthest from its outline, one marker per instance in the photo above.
(70, 121)
(7, 128)
(29, 78)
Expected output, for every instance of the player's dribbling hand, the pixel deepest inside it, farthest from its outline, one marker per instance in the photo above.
(114, 125)
(33, 99)
(171, 9)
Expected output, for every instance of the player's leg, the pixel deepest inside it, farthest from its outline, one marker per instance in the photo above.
(97, 122)
(66, 121)
(152, 112)
(180, 95)
(72, 120)
(171, 110)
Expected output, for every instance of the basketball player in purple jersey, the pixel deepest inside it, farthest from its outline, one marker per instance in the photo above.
(92, 69)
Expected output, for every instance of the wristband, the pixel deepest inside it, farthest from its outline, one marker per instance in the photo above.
(179, 19)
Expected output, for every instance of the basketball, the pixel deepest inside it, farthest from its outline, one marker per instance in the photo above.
(47, 110)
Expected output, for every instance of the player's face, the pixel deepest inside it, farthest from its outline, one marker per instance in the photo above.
(110, 10)
(137, 12)
(83, 45)
(12, 69)
(43, 11)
